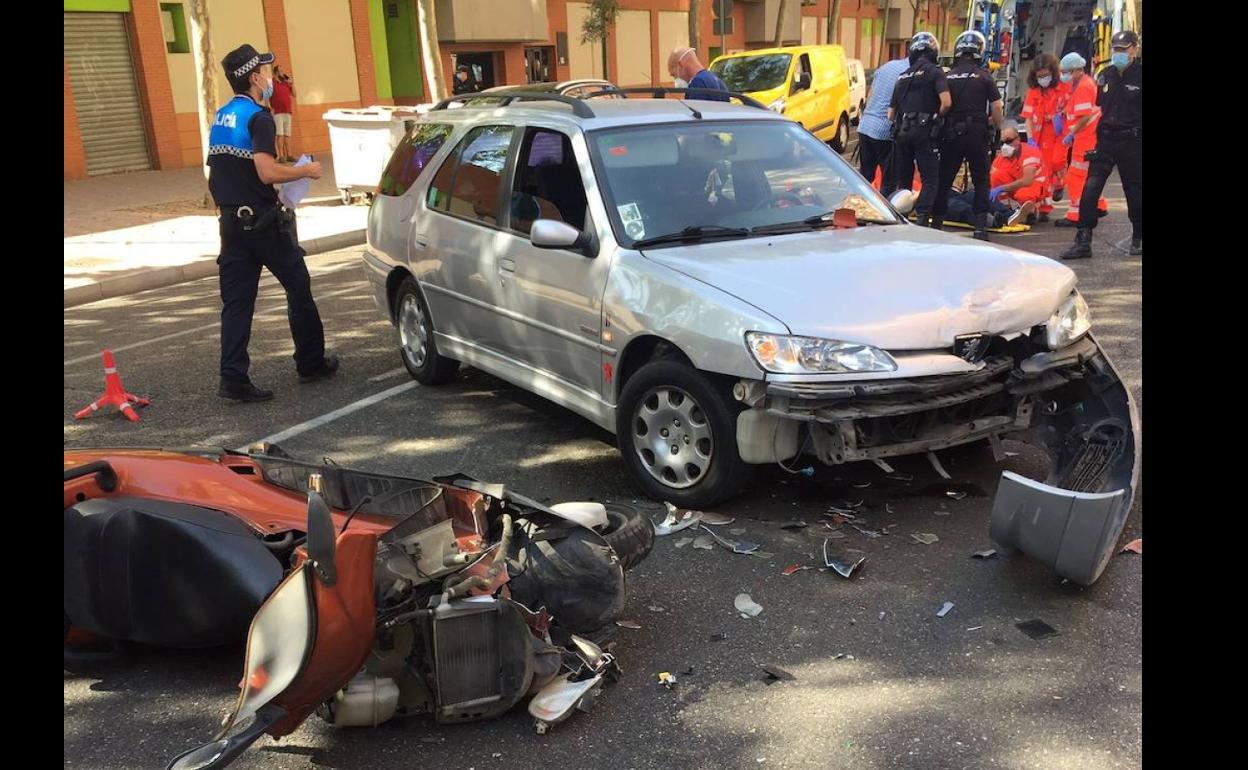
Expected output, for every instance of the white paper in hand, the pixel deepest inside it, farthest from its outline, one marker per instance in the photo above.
(293, 192)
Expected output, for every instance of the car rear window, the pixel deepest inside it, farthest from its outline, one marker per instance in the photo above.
(476, 187)
(411, 156)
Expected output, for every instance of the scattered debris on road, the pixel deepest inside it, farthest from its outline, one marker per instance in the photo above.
(1135, 546)
(789, 570)
(747, 606)
(773, 673)
(628, 624)
(944, 609)
(988, 554)
(926, 538)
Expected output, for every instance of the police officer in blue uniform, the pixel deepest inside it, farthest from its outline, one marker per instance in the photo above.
(920, 101)
(256, 230)
(975, 97)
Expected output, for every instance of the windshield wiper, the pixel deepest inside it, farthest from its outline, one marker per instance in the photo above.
(693, 235)
(815, 222)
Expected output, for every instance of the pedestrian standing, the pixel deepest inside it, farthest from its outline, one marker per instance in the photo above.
(875, 130)
(920, 101)
(282, 103)
(688, 72)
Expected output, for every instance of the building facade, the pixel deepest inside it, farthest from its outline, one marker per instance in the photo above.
(131, 94)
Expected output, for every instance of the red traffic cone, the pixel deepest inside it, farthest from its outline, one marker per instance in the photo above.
(114, 394)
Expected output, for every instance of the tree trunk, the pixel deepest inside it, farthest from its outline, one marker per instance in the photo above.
(784, 5)
(833, 36)
(883, 33)
(205, 80)
(430, 52)
(695, 25)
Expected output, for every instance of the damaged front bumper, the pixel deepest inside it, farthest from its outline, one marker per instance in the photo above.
(1069, 402)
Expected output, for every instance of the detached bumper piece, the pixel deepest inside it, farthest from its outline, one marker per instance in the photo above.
(1071, 522)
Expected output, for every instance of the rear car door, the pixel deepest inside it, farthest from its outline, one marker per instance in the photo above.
(456, 260)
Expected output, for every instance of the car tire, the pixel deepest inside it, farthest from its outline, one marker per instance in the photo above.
(841, 140)
(703, 428)
(629, 532)
(417, 347)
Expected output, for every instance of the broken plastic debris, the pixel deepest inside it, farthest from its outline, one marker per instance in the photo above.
(843, 567)
(737, 531)
(988, 554)
(1135, 546)
(861, 484)
(842, 656)
(956, 494)
(773, 673)
(684, 541)
(1036, 629)
(795, 524)
(736, 546)
(718, 637)
(715, 519)
(676, 520)
(747, 606)
(666, 679)
(944, 609)
(761, 554)
(944, 474)
(974, 628)
(882, 614)
(789, 570)
(628, 624)
(900, 477)
(926, 538)
(704, 542)
(855, 505)
(883, 465)
(808, 471)
(867, 532)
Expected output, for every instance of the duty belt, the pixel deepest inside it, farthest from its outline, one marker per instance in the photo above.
(247, 217)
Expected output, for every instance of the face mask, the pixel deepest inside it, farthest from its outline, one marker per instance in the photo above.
(1067, 77)
(1120, 59)
(1045, 81)
(682, 83)
(1007, 150)
(268, 89)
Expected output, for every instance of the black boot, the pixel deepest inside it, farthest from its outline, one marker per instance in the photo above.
(242, 391)
(1137, 244)
(981, 227)
(937, 222)
(1082, 247)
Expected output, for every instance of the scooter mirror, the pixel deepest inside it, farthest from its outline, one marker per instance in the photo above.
(903, 201)
(321, 536)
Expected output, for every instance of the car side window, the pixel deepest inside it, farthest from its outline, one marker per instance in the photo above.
(411, 157)
(548, 182)
(803, 68)
(476, 186)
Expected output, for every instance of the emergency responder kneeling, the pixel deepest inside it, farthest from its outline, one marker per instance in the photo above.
(966, 137)
(920, 101)
(1018, 174)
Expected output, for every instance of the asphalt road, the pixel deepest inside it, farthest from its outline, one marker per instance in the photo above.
(968, 690)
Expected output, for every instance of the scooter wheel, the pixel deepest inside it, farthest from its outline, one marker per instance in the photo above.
(629, 533)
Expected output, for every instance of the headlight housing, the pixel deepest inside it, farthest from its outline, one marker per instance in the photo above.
(777, 105)
(1068, 323)
(784, 354)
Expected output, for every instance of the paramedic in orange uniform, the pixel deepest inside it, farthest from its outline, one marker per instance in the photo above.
(1081, 118)
(1042, 109)
(1018, 170)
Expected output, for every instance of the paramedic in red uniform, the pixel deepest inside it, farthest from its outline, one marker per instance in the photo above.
(1081, 118)
(1042, 110)
(1017, 171)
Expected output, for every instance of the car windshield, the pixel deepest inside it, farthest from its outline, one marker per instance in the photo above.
(665, 179)
(753, 73)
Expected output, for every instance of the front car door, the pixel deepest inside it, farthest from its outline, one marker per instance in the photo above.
(552, 298)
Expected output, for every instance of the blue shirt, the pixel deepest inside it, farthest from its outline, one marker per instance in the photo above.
(708, 79)
(874, 121)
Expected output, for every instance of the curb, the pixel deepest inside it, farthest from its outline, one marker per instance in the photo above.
(124, 285)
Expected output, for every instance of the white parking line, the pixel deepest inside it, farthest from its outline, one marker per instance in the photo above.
(199, 329)
(387, 375)
(329, 417)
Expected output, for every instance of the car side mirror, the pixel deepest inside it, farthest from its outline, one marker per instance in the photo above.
(322, 540)
(553, 234)
(801, 82)
(903, 201)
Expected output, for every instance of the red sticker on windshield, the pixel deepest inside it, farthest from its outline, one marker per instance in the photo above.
(621, 150)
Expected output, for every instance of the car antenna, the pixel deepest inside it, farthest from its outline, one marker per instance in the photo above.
(697, 115)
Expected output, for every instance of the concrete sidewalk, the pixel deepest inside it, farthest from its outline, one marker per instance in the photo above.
(127, 233)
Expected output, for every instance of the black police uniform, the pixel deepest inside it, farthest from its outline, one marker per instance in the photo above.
(1118, 140)
(256, 231)
(916, 107)
(971, 89)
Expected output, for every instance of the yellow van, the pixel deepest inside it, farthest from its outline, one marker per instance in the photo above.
(807, 83)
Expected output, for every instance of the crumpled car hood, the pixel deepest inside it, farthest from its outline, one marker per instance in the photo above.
(895, 287)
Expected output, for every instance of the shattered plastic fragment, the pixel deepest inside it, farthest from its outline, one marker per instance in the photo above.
(867, 532)
(956, 494)
(843, 567)
(761, 554)
(1135, 546)
(737, 531)
(747, 606)
(628, 624)
(684, 541)
(988, 554)
(795, 524)
(944, 609)
(842, 656)
(718, 637)
(736, 546)
(676, 520)
(704, 542)
(888, 508)
(1036, 629)
(715, 519)
(666, 679)
(974, 628)
(944, 474)
(789, 570)
(862, 485)
(883, 465)
(926, 538)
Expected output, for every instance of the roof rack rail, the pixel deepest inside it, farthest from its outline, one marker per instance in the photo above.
(661, 92)
(579, 108)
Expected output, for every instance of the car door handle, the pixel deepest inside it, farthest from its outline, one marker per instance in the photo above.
(506, 265)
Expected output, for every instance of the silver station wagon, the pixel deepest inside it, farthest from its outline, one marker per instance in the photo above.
(722, 290)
